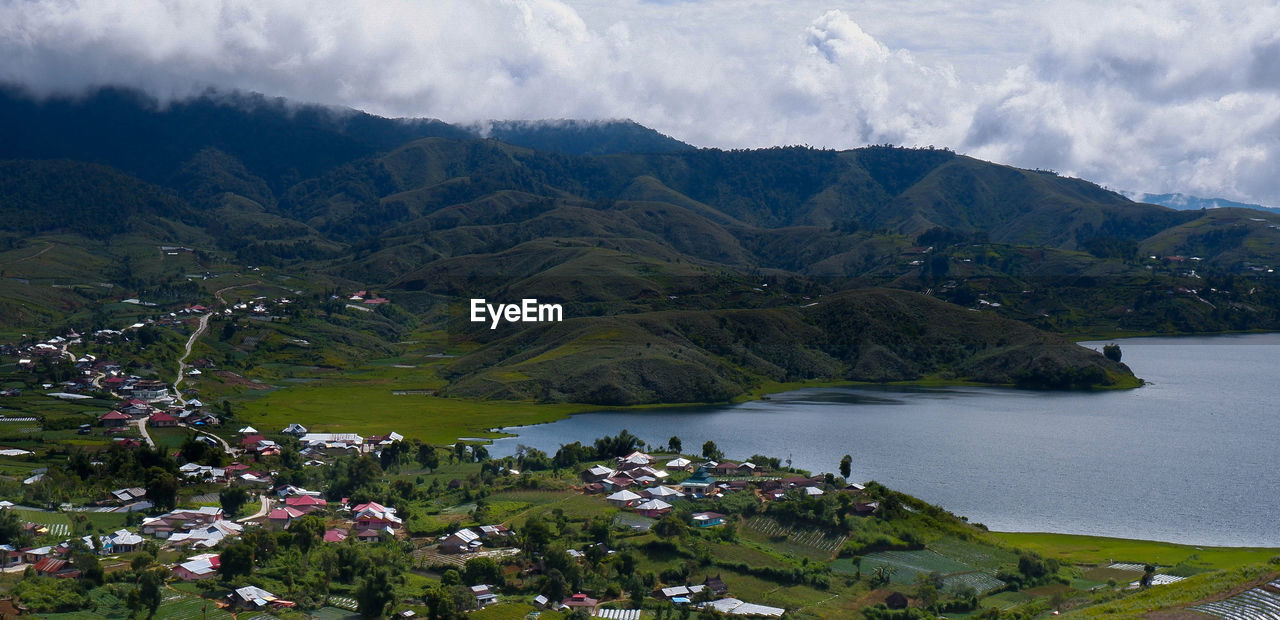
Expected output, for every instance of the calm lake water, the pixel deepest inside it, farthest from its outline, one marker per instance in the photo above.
(1192, 457)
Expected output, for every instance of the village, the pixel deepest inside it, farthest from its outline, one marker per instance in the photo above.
(144, 497)
(251, 477)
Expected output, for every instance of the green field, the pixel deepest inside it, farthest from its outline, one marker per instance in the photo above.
(907, 565)
(1098, 550)
(372, 408)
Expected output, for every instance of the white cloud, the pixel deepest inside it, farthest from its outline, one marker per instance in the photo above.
(1151, 96)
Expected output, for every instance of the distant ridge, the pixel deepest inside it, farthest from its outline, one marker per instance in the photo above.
(1183, 202)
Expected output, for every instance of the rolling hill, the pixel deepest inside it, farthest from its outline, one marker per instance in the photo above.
(679, 266)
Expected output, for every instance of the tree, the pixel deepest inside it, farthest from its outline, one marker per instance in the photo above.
(427, 457)
(1112, 352)
(482, 570)
(375, 593)
(236, 560)
(846, 466)
(306, 531)
(232, 499)
(711, 452)
(675, 445)
(1148, 573)
(556, 586)
(669, 526)
(162, 488)
(151, 589)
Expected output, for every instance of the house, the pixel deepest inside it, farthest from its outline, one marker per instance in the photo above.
(35, 555)
(376, 516)
(119, 541)
(635, 459)
(679, 463)
(489, 532)
(250, 442)
(150, 390)
(162, 420)
(597, 473)
(653, 508)
(580, 601)
(461, 541)
(9, 556)
(729, 468)
(698, 483)
(247, 431)
(280, 518)
(113, 419)
(176, 520)
(306, 504)
(678, 594)
(253, 597)
(337, 442)
(484, 595)
(130, 495)
(542, 602)
(203, 566)
(335, 535)
(663, 493)
(294, 430)
(53, 567)
(205, 536)
(372, 535)
(706, 519)
(716, 585)
(623, 498)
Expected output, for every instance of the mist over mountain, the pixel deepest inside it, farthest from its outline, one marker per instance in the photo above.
(1183, 202)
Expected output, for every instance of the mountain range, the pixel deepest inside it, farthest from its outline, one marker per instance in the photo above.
(689, 274)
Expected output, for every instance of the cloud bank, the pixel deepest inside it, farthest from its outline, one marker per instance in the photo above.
(1150, 96)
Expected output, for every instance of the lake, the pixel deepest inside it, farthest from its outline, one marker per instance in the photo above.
(1192, 457)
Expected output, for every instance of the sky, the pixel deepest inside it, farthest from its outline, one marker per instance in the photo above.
(1144, 96)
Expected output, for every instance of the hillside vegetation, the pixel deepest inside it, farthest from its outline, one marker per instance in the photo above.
(688, 274)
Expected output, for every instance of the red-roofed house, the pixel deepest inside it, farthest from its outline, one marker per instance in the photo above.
(375, 516)
(581, 601)
(53, 567)
(335, 535)
(113, 419)
(162, 419)
(250, 441)
(280, 518)
(306, 503)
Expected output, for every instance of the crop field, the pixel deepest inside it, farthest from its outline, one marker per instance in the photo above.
(181, 607)
(425, 558)
(58, 523)
(973, 554)
(742, 552)
(814, 539)
(909, 564)
(1261, 603)
(980, 582)
(1006, 600)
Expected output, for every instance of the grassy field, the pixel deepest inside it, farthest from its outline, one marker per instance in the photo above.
(1098, 550)
(1181, 594)
(372, 408)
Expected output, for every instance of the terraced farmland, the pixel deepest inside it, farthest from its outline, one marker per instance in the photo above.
(814, 538)
(1260, 603)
